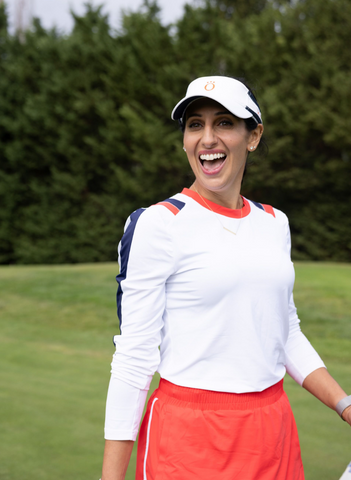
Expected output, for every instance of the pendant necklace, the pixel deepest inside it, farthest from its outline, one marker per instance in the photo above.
(208, 206)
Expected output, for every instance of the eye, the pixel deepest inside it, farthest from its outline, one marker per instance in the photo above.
(194, 124)
(226, 122)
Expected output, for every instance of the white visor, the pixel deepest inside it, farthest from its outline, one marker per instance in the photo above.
(230, 93)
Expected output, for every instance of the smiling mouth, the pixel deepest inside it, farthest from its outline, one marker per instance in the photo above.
(212, 162)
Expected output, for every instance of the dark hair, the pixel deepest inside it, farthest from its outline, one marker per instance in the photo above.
(251, 123)
(262, 147)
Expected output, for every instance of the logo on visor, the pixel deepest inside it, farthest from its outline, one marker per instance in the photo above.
(210, 86)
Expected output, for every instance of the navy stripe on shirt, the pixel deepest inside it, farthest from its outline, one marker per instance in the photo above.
(176, 203)
(126, 244)
(257, 205)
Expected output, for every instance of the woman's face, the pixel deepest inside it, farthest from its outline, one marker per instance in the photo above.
(217, 144)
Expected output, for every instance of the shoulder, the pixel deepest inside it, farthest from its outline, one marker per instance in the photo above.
(156, 216)
(270, 211)
(173, 204)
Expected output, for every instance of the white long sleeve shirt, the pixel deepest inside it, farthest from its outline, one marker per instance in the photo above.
(212, 287)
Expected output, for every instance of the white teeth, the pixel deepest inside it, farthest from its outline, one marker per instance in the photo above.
(212, 156)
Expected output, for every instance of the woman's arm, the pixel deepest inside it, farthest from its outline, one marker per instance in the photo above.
(146, 261)
(323, 386)
(304, 364)
(116, 458)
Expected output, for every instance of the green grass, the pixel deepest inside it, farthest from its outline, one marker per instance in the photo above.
(57, 324)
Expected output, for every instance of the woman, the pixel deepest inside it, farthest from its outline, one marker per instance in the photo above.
(206, 276)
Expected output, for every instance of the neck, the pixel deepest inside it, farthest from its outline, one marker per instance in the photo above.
(232, 200)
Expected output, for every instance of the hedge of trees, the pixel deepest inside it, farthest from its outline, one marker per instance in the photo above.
(86, 135)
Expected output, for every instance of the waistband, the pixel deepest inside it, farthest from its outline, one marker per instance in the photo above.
(205, 399)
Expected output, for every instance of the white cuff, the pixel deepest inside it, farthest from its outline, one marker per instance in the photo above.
(124, 409)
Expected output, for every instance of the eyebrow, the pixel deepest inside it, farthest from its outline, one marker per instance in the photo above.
(218, 113)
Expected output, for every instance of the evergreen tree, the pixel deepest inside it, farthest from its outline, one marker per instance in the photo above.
(86, 135)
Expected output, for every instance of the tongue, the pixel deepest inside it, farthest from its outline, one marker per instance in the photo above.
(212, 164)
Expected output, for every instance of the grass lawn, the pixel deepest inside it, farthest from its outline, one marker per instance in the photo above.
(57, 324)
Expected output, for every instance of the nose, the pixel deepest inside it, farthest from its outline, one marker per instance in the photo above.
(209, 138)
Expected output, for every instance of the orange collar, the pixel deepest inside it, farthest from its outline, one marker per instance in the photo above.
(227, 212)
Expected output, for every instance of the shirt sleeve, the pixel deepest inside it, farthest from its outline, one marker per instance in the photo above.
(124, 408)
(301, 358)
(146, 261)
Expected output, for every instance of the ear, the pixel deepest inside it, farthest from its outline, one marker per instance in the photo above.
(255, 137)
